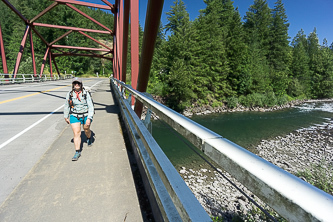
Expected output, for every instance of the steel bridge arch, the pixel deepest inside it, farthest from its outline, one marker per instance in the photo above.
(50, 46)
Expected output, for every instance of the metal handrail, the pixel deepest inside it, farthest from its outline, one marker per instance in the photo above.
(24, 78)
(291, 197)
(170, 197)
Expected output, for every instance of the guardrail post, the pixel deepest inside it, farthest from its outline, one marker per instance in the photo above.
(129, 99)
(147, 121)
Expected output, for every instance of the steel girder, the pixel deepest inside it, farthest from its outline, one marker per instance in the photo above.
(3, 55)
(122, 9)
(153, 17)
(31, 25)
(134, 5)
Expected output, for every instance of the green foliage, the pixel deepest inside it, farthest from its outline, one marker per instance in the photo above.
(216, 104)
(319, 175)
(270, 99)
(263, 100)
(217, 219)
(282, 100)
(232, 102)
(252, 100)
(226, 60)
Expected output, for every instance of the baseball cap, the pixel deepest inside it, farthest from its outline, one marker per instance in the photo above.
(77, 79)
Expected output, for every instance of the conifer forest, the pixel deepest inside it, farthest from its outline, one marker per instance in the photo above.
(219, 58)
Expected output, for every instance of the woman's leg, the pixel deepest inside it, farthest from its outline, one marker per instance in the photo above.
(76, 127)
(87, 130)
(86, 127)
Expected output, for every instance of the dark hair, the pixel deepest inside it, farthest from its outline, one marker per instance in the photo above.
(79, 83)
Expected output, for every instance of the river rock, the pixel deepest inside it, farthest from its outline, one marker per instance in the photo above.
(294, 152)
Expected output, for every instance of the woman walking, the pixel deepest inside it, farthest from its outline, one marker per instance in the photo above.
(79, 110)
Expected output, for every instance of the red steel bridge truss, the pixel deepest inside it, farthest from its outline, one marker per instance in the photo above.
(126, 12)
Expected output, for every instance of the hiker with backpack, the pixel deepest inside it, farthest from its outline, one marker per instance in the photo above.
(79, 109)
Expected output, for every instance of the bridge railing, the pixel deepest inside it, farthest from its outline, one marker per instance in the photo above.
(291, 197)
(170, 198)
(25, 78)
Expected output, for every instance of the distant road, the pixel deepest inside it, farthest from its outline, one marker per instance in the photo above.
(31, 118)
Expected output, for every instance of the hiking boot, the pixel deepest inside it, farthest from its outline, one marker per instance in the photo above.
(76, 156)
(90, 141)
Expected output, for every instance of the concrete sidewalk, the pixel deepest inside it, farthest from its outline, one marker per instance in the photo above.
(97, 187)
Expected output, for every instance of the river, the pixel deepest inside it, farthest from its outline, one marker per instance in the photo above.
(246, 129)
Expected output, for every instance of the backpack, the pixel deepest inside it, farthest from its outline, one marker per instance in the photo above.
(85, 90)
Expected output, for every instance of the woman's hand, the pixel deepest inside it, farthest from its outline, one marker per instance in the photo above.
(67, 120)
(88, 121)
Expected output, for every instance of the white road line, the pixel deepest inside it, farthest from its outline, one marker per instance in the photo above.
(30, 127)
(96, 83)
(27, 86)
(35, 124)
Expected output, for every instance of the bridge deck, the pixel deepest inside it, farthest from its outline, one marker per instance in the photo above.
(98, 187)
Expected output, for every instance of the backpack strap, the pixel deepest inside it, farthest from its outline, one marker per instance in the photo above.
(84, 93)
(70, 102)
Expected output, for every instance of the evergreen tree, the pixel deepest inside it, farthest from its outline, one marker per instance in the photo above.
(326, 71)
(177, 58)
(236, 50)
(157, 74)
(257, 26)
(321, 62)
(279, 49)
(300, 82)
(258, 21)
(314, 63)
(214, 81)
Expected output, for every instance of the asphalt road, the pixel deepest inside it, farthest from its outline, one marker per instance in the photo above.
(31, 118)
(38, 179)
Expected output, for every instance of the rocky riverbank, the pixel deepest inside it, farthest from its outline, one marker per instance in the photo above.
(204, 110)
(294, 152)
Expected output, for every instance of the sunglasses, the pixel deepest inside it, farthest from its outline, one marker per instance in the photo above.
(76, 83)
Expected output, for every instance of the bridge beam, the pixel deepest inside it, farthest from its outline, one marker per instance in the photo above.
(55, 64)
(134, 44)
(16, 11)
(88, 17)
(153, 17)
(19, 55)
(71, 28)
(125, 39)
(88, 36)
(3, 54)
(109, 7)
(44, 61)
(120, 38)
(32, 53)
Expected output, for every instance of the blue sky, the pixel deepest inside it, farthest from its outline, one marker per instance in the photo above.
(302, 14)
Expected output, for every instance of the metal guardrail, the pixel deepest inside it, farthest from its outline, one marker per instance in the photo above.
(293, 198)
(170, 197)
(24, 78)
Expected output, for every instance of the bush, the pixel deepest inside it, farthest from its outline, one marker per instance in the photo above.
(320, 175)
(258, 99)
(216, 104)
(232, 102)
(282, 100)
(252, 100)
(243, 101)
(270, 99)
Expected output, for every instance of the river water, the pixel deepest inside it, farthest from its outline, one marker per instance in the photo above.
(246, 129)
